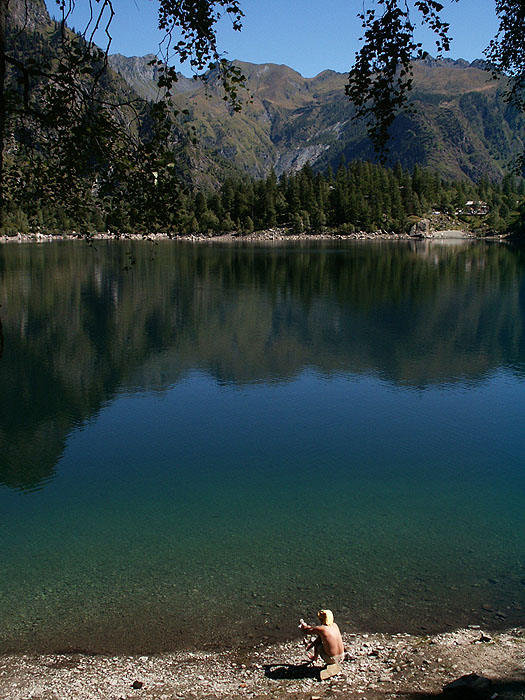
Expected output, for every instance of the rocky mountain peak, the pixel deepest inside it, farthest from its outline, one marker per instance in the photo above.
(142, 75)
(134, 67)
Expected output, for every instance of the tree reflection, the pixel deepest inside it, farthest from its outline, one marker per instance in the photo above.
(78, 329)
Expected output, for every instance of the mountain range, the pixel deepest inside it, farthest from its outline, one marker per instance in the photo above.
(461, 126)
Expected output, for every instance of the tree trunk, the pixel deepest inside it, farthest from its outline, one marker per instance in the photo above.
(3, 28)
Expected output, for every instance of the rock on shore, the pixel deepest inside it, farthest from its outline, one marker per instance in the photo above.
(376, 666)
(272, 234)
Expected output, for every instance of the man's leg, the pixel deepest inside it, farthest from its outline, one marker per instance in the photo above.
(317, 646)
(329, 671)
(332, 666)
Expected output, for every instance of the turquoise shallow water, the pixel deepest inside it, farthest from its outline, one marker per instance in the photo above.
(226, 439)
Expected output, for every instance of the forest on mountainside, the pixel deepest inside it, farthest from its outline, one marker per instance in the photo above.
(359, 196)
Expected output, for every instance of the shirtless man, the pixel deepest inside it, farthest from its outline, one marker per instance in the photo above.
(328, 644)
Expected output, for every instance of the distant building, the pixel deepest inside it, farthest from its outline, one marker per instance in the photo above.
(475, 207)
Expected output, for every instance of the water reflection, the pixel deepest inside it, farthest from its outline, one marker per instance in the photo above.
(77, 329)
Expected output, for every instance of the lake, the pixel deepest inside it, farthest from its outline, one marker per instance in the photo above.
(204, 443)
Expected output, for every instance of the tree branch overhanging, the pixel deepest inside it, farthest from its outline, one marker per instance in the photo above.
(381, 79)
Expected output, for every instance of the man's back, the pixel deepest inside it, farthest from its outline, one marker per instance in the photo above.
(331, 637)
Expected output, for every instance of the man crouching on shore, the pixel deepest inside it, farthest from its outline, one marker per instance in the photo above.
(328, 644)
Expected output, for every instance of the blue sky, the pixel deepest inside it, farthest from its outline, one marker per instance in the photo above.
(309, 36)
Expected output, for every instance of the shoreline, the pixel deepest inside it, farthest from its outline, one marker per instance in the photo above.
(376, 666)
(273, 234)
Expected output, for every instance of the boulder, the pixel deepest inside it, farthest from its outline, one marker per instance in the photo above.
(469, 686)
(420, 228)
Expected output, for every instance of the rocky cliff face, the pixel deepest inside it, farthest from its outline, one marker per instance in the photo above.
(138, 73)
(28, 14)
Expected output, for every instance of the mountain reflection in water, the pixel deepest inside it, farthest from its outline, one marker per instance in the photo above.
(79, 329)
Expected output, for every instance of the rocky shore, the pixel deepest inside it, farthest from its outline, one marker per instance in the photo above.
(273, 234)
(376, 666)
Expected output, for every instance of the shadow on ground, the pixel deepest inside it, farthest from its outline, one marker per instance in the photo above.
(291, 671)
(499, 690)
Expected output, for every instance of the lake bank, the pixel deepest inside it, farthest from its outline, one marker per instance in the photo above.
(376, 666)
(274, 234)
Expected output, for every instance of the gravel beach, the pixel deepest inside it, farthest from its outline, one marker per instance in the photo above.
(376, 666)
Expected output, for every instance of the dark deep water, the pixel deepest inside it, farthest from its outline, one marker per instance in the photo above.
(227, 438)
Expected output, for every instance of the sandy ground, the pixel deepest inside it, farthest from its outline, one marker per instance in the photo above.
(377, 666)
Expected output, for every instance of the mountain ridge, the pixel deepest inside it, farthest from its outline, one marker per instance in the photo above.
(462, 127)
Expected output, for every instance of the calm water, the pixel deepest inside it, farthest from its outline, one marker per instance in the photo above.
(224, 439)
